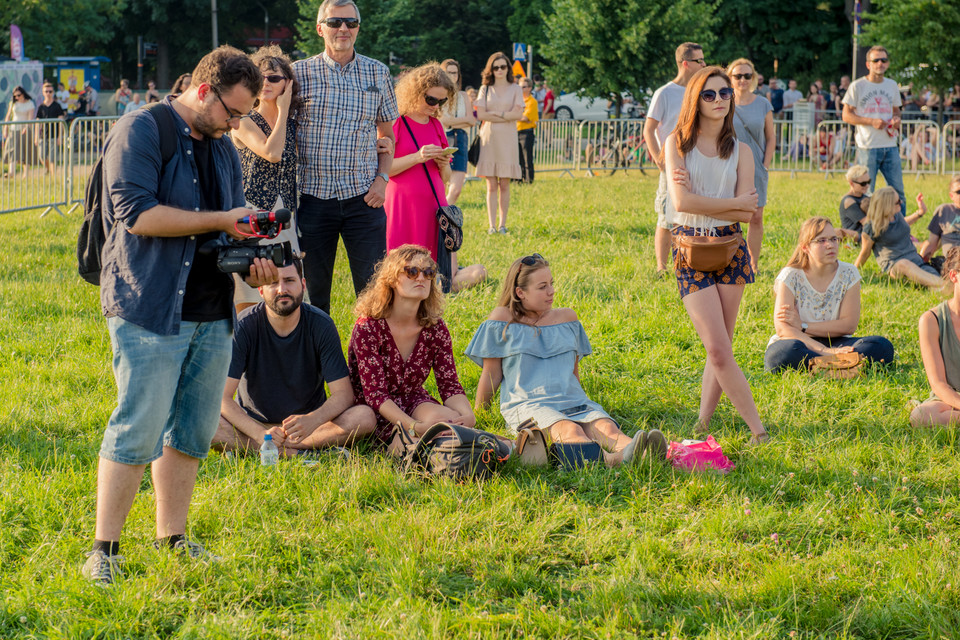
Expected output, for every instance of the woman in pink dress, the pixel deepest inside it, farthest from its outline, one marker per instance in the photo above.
(421, 164)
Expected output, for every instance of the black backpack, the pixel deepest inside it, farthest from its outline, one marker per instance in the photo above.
(93, 231)
(452, 451)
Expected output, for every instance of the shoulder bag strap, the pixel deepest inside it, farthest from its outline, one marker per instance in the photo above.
(427, 171)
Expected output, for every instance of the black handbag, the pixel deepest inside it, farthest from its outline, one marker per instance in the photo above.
(473, 153)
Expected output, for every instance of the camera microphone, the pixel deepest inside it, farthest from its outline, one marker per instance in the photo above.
(264, 218)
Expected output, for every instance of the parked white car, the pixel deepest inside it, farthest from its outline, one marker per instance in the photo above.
(571, 107)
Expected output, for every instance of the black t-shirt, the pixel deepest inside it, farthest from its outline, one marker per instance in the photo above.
(52, 112)
(209, 292)
(851, 214)
(278, 376)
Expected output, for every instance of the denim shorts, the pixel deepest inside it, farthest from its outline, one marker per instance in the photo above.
(689, 280)
(458, 138)
(168, 389)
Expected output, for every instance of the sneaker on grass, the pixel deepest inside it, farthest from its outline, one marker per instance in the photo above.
(191, 549)
(101, 568)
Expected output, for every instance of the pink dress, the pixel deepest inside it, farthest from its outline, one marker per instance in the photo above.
(410, 205)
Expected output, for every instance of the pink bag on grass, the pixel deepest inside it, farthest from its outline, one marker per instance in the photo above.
(699, 455)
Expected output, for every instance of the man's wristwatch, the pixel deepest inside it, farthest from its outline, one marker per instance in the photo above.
(803, 327)
(383, 175)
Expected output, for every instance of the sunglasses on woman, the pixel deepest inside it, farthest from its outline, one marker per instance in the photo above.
(500, 67)
(274, 78)
(742, 76)
(531, 260)
(866, 183)
(434, 102)
(709, 95)
(413, 272)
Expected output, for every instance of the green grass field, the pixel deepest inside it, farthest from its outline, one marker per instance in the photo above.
(843, 527)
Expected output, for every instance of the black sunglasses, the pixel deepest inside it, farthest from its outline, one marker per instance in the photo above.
(274, 78)
(531, 259)
(880, 60)
(413, 272)
(336, 23)
(499, 67)
(709, 95)
(742, 76)
(862, 184)
(434, 102)
(700, 61)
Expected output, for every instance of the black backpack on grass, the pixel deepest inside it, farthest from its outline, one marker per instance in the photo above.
(93, 231)
(449, 450)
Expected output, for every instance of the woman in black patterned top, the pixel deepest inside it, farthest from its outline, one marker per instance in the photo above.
(268, 154)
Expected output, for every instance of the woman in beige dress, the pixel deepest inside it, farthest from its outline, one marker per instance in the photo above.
(499, 105)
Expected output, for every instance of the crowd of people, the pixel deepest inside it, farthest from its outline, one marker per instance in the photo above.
(359, 158)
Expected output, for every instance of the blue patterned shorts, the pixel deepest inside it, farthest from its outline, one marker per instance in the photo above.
(737, 272)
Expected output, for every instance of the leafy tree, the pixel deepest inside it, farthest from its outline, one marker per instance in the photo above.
(809, 38)
(921, 37)
(526, 24)
(61, 27)
(603, 47)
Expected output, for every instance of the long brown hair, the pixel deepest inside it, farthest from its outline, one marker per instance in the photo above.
(450, 61)
(882, 209)
(487, 74)
(810, 229)
(518, 276)
(376, 300)
(688, 124)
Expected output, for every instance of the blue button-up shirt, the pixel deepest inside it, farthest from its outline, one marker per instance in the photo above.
(143, 278)
(337, 128)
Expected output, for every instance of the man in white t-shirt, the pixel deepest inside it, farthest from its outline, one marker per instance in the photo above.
(872, 103)
(661, 120)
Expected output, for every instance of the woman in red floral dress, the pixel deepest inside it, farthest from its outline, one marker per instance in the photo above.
(398, 338)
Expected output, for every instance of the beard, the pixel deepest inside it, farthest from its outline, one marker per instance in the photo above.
(284, 305)
(209, 127)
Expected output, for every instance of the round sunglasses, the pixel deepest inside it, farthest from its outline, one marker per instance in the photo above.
(709, 95)
(414, 272)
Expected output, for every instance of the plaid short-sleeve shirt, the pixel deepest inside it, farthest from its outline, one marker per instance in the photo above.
(337, 128)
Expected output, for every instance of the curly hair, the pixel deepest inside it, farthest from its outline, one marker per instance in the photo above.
(739, 61)
(376, 300)
(518, 277)
(810, 229)
(952, 262)
(414, 84)
(688, 123)
(273, 58)
(487, 75)
(225, 67)
(882, 209)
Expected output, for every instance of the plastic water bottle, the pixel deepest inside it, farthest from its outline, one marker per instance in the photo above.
(269, 455)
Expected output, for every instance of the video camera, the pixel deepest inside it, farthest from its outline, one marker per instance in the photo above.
(236, 256)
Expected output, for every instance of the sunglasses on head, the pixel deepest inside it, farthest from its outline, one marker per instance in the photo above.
(709, 95)
(500, 67)
(434, 102)
(531, 259)
(336, 23)
(414, 272)
(742, 76)
(274, 78)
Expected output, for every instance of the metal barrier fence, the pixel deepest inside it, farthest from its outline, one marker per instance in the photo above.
(46, 163)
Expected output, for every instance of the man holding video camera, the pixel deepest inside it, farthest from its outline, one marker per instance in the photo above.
(282, 334)
(168, 307)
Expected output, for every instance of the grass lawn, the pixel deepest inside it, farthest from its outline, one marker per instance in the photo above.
(843, 527)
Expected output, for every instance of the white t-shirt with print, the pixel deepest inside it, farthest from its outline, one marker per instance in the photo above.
(873, 100)
(813, 306)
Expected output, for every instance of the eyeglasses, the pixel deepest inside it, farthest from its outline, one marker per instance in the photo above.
(709, 95)
(742, 76)
(336, 23)
(884, 60)
(230, 115)
(699, 61)
(825, 240)
(414, 272)
(862, 184)
(274, 78)
(434, 102)
(500, 67)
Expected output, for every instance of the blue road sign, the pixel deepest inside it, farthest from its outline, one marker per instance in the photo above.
(520, 51)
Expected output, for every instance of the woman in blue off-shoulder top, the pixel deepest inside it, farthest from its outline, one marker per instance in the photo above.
(531, 352)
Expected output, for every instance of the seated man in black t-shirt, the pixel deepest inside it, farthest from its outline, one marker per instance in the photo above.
(283, 351)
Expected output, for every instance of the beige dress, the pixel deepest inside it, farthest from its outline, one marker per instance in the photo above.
(499, 148)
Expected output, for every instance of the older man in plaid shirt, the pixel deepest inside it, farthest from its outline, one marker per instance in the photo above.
(348, 117)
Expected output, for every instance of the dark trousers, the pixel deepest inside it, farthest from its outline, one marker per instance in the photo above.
(321, 224)
(793, 354)
(526, 139)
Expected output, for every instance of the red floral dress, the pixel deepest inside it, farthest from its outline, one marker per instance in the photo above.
(378, 372)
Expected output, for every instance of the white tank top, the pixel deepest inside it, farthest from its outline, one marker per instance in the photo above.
(713, 178)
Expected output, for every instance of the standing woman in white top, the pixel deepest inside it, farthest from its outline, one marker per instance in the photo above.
(818, 304)
(457, 119)
(713, 193)
(16, 142)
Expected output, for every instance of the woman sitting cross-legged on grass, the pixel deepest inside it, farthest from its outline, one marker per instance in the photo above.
(940, 349)
(713, 192)
(531, 352)
(399, 337)
(887, 233)
(818, 304)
